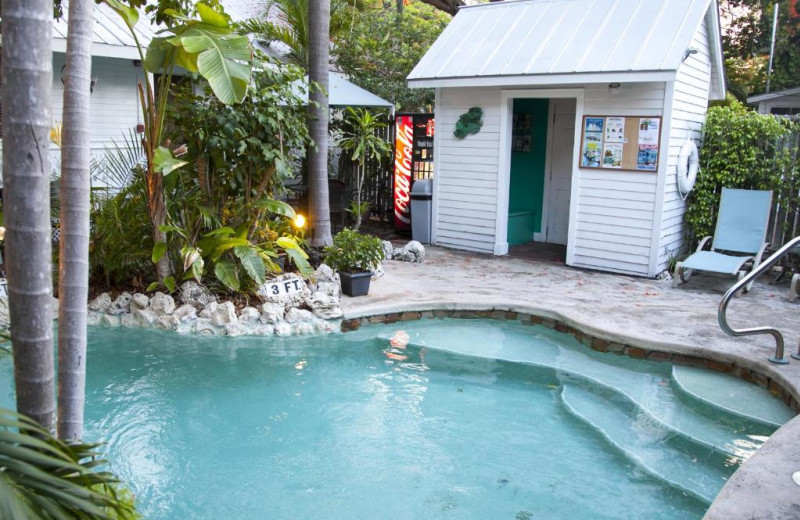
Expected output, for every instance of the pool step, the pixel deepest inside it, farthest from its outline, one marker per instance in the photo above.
(652, 391)
(644, 443)
(734, 396)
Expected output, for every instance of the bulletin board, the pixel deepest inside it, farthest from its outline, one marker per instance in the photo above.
(627, 143)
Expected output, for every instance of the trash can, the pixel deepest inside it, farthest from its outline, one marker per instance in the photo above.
(421, 206)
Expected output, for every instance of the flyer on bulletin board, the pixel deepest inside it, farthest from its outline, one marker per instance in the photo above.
(592, 149)
(612, 155)
(647, 158)
(649, 130)
(615, 130)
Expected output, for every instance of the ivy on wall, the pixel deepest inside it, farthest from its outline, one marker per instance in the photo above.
(746, 150)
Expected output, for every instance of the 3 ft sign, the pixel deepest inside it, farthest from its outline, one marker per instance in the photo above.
(285, 287)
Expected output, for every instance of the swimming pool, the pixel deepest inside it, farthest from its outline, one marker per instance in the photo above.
(463, 419)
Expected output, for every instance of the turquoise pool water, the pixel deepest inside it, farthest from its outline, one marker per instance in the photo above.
(380, 425)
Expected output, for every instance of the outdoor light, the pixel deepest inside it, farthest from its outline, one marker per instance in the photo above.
(688, 52)
(299, 221)
(614, 88)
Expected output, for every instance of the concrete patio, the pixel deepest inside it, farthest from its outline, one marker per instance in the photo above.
(648, 314)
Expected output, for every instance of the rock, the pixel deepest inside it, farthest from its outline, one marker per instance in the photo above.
(295, 315)
(196, 295)
(288, 290)
(205, 327)
(324, 306)
(129, 320)
(101, 304)
(262, 329)
(54, 307)
(326, 327)
(235, 328)
(145, 317)
(283, 329)
(168, 322)
(139, 301)
(222, 314)
(326, 281)
(249, 314)
(271, 313)
(413, 252)
(110, 320)
(185, 313)
(162, 303)
(303, 328)
(219, 313)
(93, 318)
(388, 250)
(378, 272)
(121, 304)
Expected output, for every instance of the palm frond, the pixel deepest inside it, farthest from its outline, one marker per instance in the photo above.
(42, 477)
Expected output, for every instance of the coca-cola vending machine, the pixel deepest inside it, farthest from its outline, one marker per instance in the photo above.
(413, 160)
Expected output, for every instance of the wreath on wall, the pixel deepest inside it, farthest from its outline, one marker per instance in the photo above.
(469, 123)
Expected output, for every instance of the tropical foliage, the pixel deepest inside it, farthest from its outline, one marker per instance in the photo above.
(384, 45)
(223, 218)
(362, 139)
(42, 477)
(746, 43)
(742, 149)
(354, 252)
(208, 46)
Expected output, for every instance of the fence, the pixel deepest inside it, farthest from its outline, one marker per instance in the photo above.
(785, 216)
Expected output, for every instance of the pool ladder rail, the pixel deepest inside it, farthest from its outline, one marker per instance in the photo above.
(722, 313)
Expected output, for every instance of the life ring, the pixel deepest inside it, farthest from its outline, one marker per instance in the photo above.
(688, 166)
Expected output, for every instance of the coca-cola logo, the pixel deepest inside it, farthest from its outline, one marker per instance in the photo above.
(402, 171)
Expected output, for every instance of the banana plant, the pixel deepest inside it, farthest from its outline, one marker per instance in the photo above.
(208, 46)
(233, 255)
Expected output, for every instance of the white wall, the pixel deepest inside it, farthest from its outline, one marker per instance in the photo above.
(615, 210)
(465, 183)
(689, 105)
(114, 108)
(765, 107)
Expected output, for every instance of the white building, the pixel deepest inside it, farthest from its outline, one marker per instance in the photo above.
(543, 71)
(783, 102)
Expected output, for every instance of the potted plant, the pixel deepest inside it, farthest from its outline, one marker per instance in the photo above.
(354, 255)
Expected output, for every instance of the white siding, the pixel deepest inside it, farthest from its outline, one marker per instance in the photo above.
(114, 108)
(615, 209)
(690, 102)
(466, 171)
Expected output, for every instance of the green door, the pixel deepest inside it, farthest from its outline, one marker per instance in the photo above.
(526, 186)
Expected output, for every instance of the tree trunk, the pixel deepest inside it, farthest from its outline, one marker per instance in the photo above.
(158, 217)
(73, 281)
(319, 14)
(27, 78)
(359, 183)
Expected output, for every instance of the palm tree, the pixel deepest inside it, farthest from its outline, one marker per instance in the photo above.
(73, 280)
(318, 47)
(27, 77)
(362, 139)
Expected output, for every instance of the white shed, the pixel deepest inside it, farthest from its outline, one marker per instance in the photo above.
(783, 102)
(586, 104)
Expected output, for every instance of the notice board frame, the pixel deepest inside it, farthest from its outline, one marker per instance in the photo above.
(629, 134)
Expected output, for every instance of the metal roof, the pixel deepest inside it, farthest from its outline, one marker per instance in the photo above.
(536, 38)
(342, 93)
(111, 36)
(772, 95)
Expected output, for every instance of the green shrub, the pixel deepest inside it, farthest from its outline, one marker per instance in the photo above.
(746, 150)
(353, 252)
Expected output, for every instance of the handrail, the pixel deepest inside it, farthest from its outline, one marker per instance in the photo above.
(722, 315)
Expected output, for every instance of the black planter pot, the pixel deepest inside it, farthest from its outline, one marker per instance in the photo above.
(355, 284)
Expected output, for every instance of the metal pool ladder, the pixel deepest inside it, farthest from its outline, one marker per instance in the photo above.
(722, 315)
